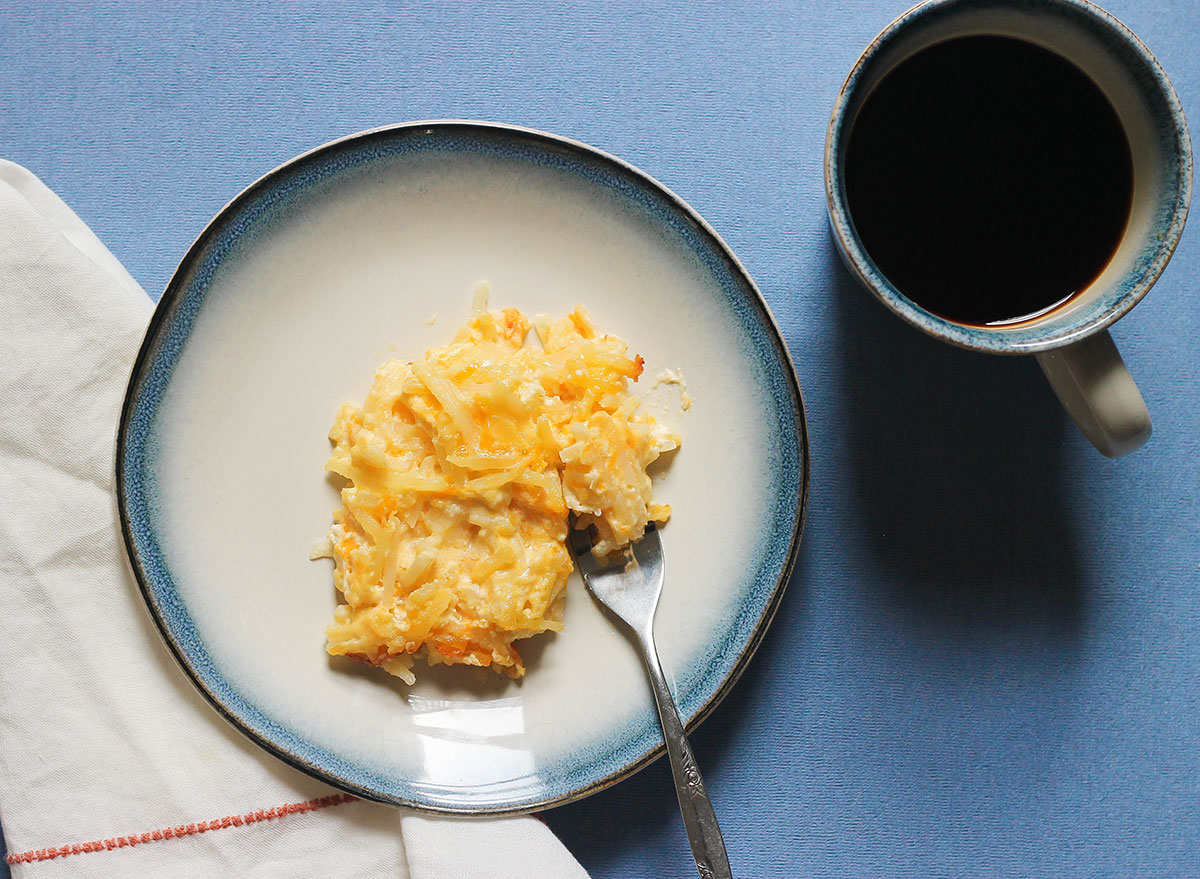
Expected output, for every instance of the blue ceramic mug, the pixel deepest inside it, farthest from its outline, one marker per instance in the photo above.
(1071, 343)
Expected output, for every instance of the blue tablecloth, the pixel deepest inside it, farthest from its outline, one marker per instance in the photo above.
(989, 661)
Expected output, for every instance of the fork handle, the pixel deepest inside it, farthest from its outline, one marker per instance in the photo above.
(699, 819)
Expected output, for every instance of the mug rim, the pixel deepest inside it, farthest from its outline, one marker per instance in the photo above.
(1026, 339)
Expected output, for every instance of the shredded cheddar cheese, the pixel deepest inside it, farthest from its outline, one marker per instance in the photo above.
(461, 469)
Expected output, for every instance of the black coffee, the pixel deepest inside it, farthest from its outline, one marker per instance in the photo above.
(989, 179)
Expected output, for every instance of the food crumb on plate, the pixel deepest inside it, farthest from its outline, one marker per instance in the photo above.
(675, 377)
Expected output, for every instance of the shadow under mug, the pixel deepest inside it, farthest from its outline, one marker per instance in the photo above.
(1071, 343)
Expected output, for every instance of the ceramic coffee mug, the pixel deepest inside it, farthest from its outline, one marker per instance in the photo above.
(1071, 342)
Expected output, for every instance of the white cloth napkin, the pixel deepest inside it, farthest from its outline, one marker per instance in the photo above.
(110, 763)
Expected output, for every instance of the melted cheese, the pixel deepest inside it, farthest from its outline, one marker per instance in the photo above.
(461, 471)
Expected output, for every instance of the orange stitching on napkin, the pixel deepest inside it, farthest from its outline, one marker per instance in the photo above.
(49, 854)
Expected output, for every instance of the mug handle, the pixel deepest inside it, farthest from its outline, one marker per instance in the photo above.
(1095, 387)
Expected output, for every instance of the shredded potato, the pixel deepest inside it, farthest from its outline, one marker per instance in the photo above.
(462, 469)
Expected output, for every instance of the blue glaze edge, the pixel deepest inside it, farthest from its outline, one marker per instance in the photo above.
(698, 690)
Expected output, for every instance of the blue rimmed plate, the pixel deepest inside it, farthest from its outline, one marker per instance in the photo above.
(368, 248)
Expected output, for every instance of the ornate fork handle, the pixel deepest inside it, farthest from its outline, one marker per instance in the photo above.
(699, 819)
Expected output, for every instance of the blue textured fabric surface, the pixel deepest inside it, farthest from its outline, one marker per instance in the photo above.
(989, 661)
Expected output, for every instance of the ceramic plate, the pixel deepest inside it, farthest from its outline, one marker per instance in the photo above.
(369, 248)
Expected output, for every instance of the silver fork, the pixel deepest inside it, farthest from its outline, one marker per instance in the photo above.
(629, 586)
